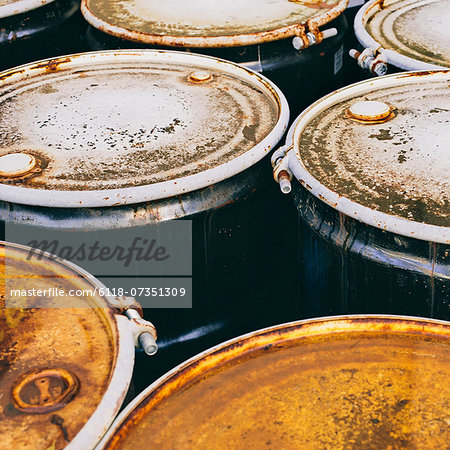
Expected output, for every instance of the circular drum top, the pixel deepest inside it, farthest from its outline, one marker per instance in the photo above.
(355, 382)
(10, 8)
(392, 171)
(417, 30)
(202, 23)
(55, 362)
(126, 127)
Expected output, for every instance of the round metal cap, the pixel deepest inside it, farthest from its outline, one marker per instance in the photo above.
(202, 23)
(200, 77)
(392, 174)
(369, 111)
(16, 164)
(125, 127)
(415, 35)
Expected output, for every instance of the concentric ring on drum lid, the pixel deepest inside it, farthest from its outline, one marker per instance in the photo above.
(78, 368)
(10, 8)
(201, 23)
(392, 175)
(333, 381)
(128, 126)
(414, 35)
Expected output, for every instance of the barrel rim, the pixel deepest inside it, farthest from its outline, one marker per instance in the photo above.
(121, 368)
(392, 57)
(164, 189)
(211, 41)
(259, 339)
(377, 219)
(21, 7)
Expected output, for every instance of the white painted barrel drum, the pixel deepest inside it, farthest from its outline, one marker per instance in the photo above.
(122, 141)
(405, 34)
(370, 166)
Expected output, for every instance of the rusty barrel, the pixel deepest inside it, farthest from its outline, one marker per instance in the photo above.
(159, 159)
(37, 29)
(403, 35)
(66, 353)
(361, 381)
(370, 176)
(260, 35)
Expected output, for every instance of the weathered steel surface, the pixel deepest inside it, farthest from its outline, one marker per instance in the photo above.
(205, 24)
(131, 119)
(366, 382)
(399, 167)
(416, 29)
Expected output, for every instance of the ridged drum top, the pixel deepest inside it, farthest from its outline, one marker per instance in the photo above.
(39, 344)
(203, 23)
(103, 122)
(416, 29)
(398, 166)
(382, 384)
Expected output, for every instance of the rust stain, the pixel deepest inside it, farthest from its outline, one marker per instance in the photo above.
(11, 73)
(52, 65)
(422, 73)
(318, 4)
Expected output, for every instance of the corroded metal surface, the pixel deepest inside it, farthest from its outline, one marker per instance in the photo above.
(400, 167)
(355, 382)
(44, 352)
(416, 29)
(201, 23)
(129, 119)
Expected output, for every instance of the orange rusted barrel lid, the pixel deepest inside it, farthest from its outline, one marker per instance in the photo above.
(202, 23)
(56, 362)
(345, 382)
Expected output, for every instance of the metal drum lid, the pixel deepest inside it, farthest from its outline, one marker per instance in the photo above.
(377, 151)
(10, 8)
(416, 34)
(55, 362)
(366, 382)
(202, 23)
(110, 128)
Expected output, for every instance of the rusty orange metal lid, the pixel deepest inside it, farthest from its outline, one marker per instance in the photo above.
(344, 382)
(414, 35)
(202, 23)
(109, 128)
(55, 362)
